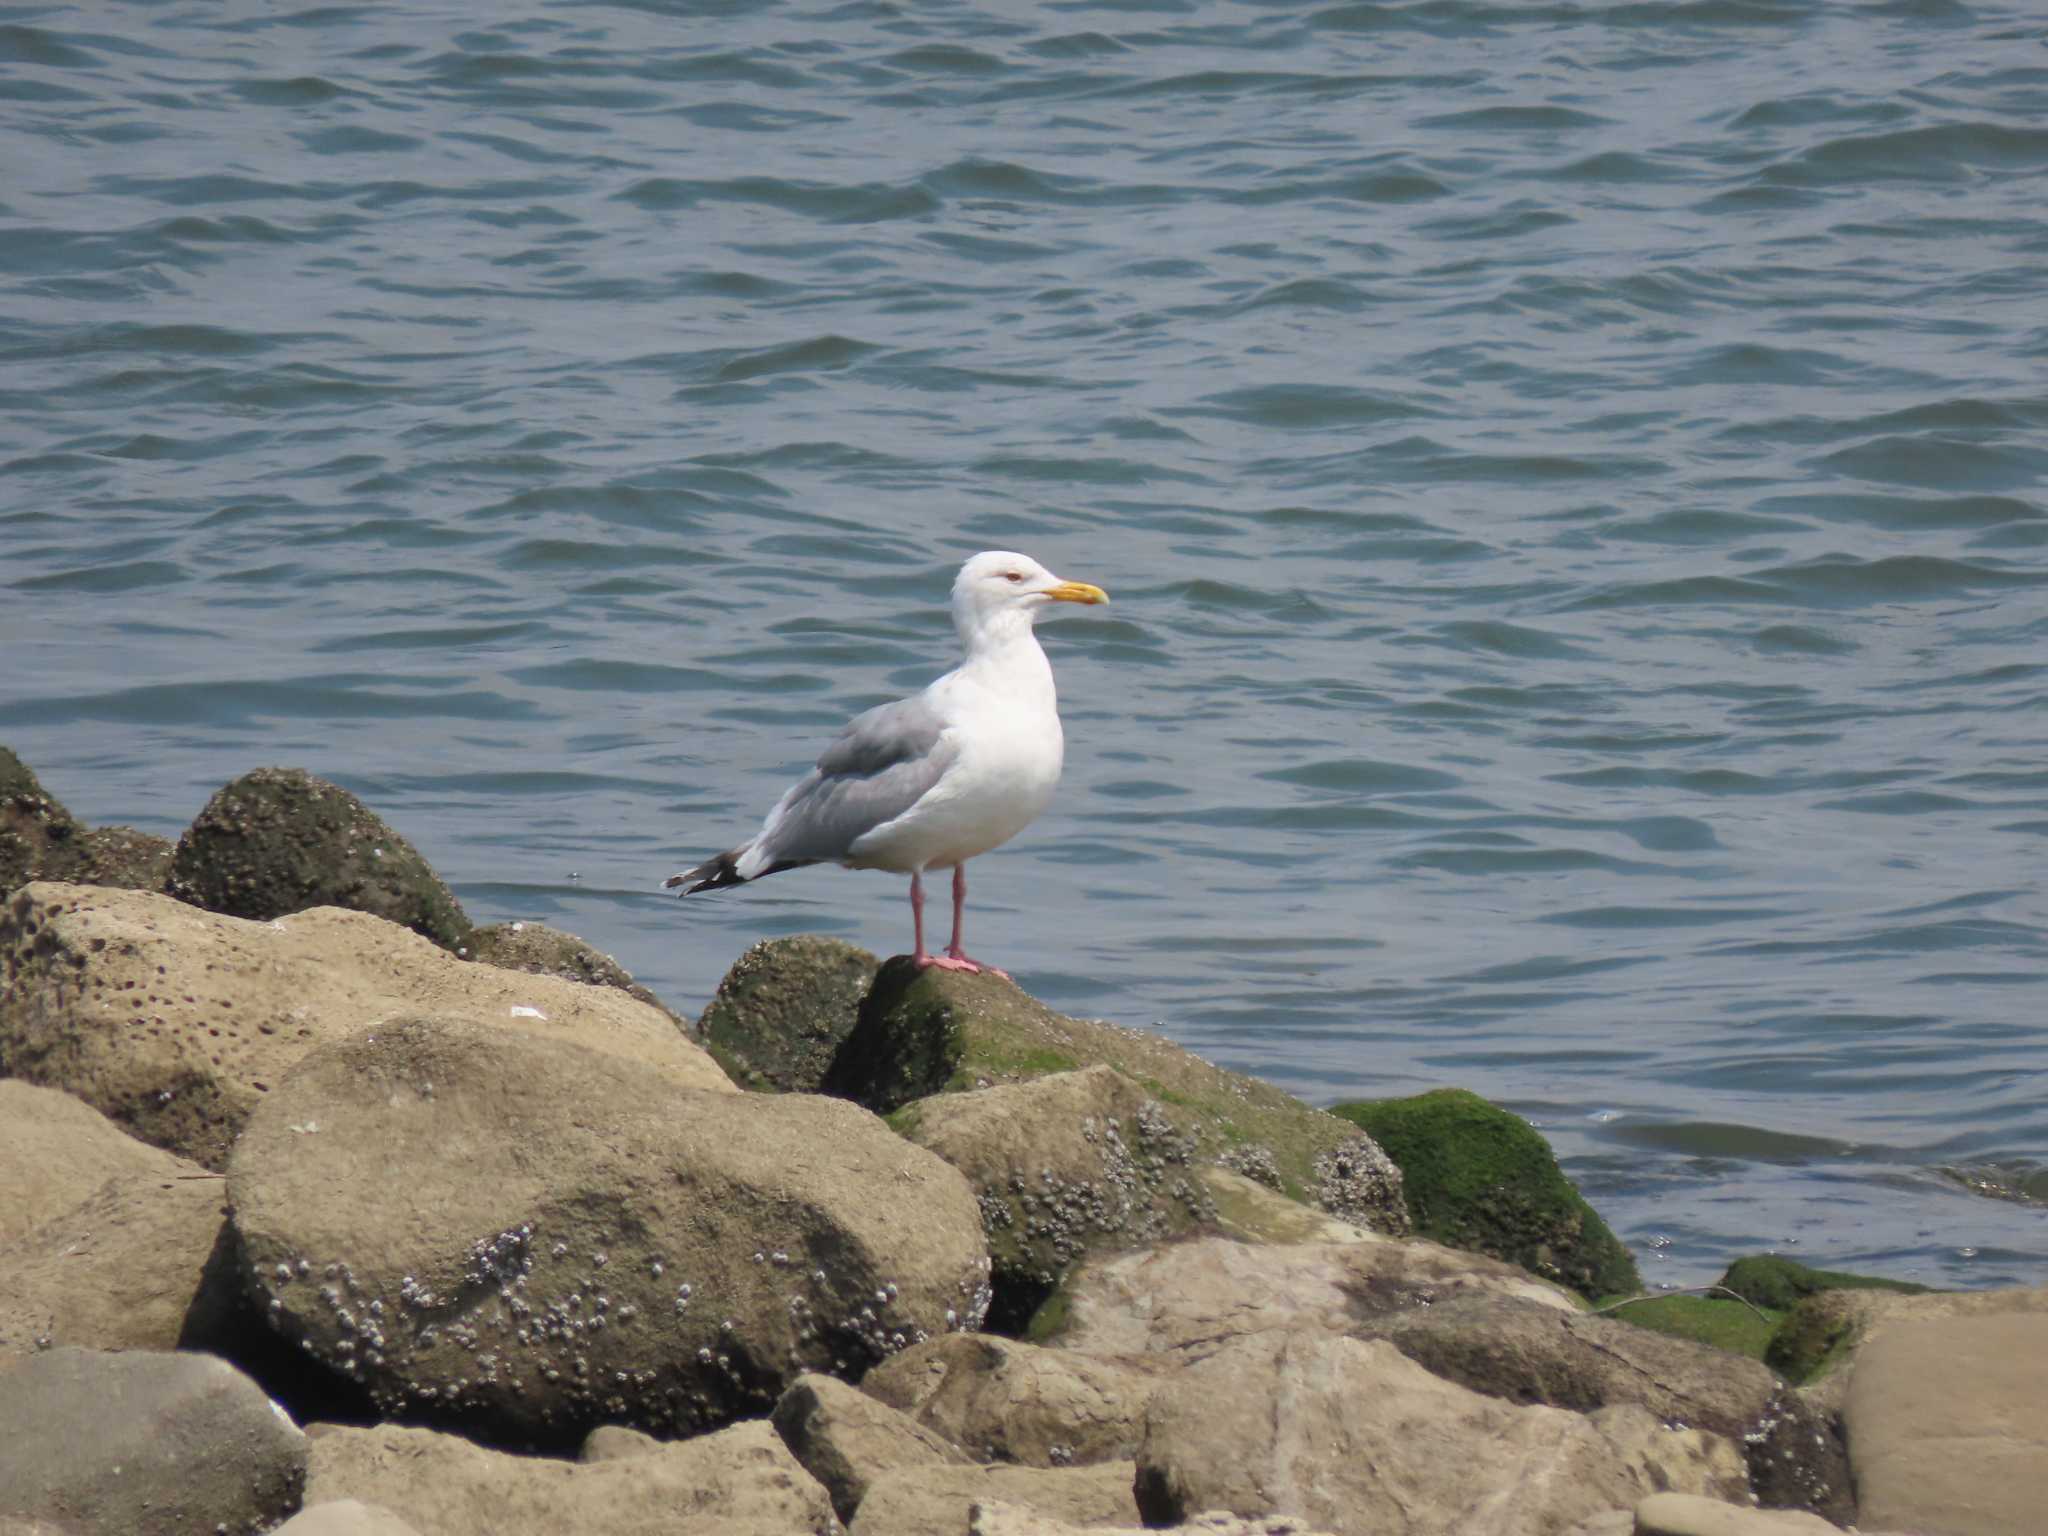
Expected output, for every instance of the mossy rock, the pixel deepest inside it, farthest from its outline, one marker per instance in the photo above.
(781, 1012)
(545, 951)
(935, 1031)
(35, 829)
(1818, 1334)
(40, 840)
(1480, 1178)
(1771, 1281)
(279, 840)
(1718, 1321)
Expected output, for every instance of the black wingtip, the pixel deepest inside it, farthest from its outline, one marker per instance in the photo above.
(713, 874)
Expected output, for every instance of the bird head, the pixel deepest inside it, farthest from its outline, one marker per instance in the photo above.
(999, 588)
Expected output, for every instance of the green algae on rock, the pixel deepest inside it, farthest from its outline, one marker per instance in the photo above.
(1770, 1281)
(782, 1011)
(1479, 1177)
(280, 840)
(934, 1031)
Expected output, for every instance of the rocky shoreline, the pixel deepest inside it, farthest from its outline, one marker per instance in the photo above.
(324, 1210)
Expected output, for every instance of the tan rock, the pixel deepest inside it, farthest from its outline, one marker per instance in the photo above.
(56, 1151)
(533, 1237)
(1353, 1436)
(1004, 1400)
(1188, 1297)
(1511, 1348)
(738, 1482)
(1947, 1423)
(615, 1442)
(1247, 1210)
(846, 1439)
(144, 1444)
(1686, 1514)
(938, 1501)
(118, 1254)
(345, 1517)
(175, 1022)
(994, 1518)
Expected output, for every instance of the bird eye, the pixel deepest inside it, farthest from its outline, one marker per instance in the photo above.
(1013, 575)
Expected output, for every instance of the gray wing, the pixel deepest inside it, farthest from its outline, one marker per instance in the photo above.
(882, 764)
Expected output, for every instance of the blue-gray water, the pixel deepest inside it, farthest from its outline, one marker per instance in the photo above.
(1572, 477)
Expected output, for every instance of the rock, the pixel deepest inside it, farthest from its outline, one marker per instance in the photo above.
(1352, 1435)
(615, 1442)
(1687, 1514)
(1521, 1352)
(104, 1242)
(35, 829)
(994, 1518)
(938, 1501)
(127, 1268)
(1824, 1332)
(926, 1032)
(1479, 1177)
(174, 1022)
(530, 1261)
(1187, 1297)
(780, 1013)
(846, 1439)
(543, 951)
(279, 840)
(56, 1151)
(1766, 1280)
(1252, 1213)
(738, 1482)
(1947, 1423)
(345, 1517)
(1062, 1165)
(1002, 1400)
(143, 1444)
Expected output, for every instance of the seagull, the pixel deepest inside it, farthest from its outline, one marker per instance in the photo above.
(930, 781)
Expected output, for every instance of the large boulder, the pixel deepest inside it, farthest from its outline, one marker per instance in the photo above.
(1947, 1423)
(847, 1439)
(175, 1022)
(143, 1444)
(279, 840)
(738, 1482)
(935, 1031)
(105, 1243)
(40, 840)
(1476, 1176)
(528, 1237)
(1003, 1400)
(939, 1501)
(1521, 1352)
(782, 1011)
(1062, 1165)
(1353, 1436)
(1185, 1298)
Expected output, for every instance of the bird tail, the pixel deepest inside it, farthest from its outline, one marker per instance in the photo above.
(723, 869)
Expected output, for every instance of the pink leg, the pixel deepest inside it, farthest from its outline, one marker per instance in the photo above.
(956, 958)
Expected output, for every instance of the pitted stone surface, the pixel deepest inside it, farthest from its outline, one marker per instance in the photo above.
(175, 1022)
(527, 1237)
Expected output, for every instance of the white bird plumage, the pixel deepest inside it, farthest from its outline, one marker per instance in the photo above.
(930, 781)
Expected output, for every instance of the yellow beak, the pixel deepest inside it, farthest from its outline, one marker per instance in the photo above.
(1076, 592)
